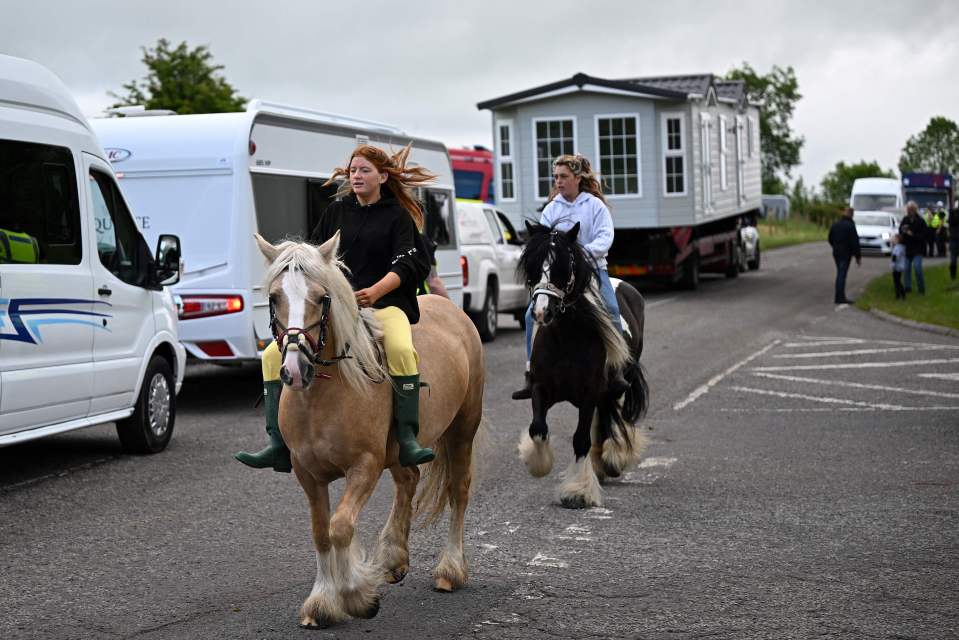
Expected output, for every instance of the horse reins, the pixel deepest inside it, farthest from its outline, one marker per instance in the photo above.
(551, 290)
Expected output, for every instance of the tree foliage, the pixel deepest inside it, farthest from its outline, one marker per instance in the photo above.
(182, 79)
(837, 184)
(779, 92)
(934, 150)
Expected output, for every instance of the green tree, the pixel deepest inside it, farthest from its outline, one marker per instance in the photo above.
(181, 79)
(778, 90)
(837, 184)
(935, 150)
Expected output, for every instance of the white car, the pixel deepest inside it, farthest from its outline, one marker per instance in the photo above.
(875, 229)
(88, 333)
(490, 250)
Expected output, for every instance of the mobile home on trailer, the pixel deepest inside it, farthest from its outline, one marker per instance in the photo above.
(679, 158)
(215, 179)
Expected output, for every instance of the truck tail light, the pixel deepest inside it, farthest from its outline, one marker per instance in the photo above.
(199, 306)
(466, 271)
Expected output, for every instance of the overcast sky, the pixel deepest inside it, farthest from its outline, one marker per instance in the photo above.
(871, 73)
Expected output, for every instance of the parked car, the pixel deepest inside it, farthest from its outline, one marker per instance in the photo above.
(875, 229)
(491, 249)
(88, 333)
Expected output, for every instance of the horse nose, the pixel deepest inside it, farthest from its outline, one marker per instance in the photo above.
(308, 372)
(290, 378)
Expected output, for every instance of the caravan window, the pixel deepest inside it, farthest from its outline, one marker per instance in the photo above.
(438, 211)
(39, 204)
(281, 209)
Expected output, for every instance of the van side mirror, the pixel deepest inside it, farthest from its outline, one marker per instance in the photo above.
(168, 260)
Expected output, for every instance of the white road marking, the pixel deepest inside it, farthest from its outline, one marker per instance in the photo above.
(704, 389)
(489, 547)
(863, 352)
(941, 376)
(834, 409)
(822, 343)
(859, 365)
(598, 513)
(541, 560)
(802, 396)
(656, 462)
(877, 387)
(575, 528)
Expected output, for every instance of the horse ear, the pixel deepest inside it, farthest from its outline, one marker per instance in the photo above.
(572, 233)
(269, 251)
(530, 229)
(329, 249)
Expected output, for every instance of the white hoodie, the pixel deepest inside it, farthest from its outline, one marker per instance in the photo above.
(595, 222)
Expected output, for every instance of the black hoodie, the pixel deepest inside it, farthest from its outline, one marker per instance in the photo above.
(376, 239)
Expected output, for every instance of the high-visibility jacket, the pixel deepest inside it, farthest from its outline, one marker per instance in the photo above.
(936, 221)
(18, 247)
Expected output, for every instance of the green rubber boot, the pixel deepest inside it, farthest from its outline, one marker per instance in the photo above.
(406, 420)
(275, 454)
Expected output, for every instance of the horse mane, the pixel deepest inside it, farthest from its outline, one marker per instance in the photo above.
(549, 243)
(349, 324)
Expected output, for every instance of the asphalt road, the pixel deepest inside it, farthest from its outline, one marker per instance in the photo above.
(801, 481)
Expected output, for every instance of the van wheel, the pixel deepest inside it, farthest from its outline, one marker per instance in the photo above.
(486, 320)
(150, 427)
(754, 264)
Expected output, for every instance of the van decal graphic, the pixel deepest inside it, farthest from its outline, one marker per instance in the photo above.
(25, 316)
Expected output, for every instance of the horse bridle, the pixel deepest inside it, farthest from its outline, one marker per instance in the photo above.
(549, 289)
(295, 337)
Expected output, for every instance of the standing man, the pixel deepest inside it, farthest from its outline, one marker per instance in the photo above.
(953, 238)
(913, 232)
(845, 246)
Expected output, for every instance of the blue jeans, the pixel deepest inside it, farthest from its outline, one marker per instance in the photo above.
(914, 262)
(606, 292)
(842, 269)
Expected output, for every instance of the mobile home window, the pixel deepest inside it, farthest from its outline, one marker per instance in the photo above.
(504, 149)
(723, 149)
(39, 204)
(618, 143)
(552, 138)
(674, 152)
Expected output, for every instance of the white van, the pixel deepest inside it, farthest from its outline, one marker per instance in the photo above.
(878, 209)
(88, 334)
(215, 179)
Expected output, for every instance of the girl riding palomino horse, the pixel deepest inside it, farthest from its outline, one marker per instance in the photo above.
(377, 220)
(577, 198)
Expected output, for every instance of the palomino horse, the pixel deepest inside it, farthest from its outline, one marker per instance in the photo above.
(340, 425)
(575, 348)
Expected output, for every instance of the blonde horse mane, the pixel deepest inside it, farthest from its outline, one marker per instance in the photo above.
(349, 324)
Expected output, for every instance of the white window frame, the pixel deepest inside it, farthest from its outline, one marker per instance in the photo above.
(674, 153)
(536, 176)
(723, 151)
(754, 141)
(598, 167)
(706, 158)
(740, 160)
(501, 160)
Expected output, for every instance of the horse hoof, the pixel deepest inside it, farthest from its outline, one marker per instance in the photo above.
(573, 502)
(314, 624)
(611, 471)
(395, 576)
(372, 610)
(444, 585)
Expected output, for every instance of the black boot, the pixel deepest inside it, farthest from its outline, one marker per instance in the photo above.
(406, 421)
(275, 454)
(526, 392)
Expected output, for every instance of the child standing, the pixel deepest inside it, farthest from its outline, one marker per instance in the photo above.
(898, 266)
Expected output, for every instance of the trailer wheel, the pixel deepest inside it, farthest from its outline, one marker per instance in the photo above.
(690, 278)
(732, 271)
(754, 264)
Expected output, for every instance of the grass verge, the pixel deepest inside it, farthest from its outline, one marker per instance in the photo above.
(783, 233)
(939, 306)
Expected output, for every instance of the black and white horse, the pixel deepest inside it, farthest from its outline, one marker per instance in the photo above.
(576, 350)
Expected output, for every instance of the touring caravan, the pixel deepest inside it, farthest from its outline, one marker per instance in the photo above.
(215, 179)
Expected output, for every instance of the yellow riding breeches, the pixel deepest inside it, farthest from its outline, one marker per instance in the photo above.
(401, 357)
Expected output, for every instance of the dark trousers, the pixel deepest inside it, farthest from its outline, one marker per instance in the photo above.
(953, 252)
(897, 284)
(842, 269)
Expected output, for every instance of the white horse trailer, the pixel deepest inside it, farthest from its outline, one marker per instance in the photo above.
(215, 179)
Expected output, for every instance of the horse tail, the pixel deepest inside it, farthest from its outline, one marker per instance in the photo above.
(437, 481)
(636, 400)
